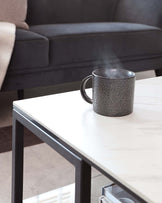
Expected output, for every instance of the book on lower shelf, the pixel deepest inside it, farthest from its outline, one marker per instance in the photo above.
(114, 194)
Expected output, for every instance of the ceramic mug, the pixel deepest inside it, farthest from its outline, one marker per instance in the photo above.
(112, 91)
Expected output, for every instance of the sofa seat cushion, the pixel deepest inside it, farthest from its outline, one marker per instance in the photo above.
(88, 43)
(31, 50)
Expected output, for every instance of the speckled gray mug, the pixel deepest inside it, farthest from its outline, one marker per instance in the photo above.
(112, 91)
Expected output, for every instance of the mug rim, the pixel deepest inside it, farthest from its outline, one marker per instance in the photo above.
(124, 70)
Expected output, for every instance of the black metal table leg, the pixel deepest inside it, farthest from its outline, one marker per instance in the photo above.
(82, 168)
(83, 183)
(17, 161)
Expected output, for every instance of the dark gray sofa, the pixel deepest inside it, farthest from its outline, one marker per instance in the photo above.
(69, 38)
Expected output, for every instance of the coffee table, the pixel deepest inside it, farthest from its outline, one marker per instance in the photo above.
(126, 149)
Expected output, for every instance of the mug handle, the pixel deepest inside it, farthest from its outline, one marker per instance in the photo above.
(82, 89)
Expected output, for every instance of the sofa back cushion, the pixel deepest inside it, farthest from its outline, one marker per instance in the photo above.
(140, 11)
(14, 11)
(69, 11)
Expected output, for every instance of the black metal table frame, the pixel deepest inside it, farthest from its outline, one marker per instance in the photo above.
(82, 164)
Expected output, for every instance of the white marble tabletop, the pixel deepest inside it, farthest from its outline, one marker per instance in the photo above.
(129, 148)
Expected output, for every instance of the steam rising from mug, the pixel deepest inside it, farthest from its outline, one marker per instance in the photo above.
(108, 60)
(111, 62)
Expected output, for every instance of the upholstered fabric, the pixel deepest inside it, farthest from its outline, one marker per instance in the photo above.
(14, 11)
(31, 50)
(96, 43)
(140, 11)
(69, 11)
(50, 76)
(61, 52)
(44, 77)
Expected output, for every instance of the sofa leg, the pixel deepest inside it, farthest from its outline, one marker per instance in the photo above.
(20, 94)
(158, 72)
